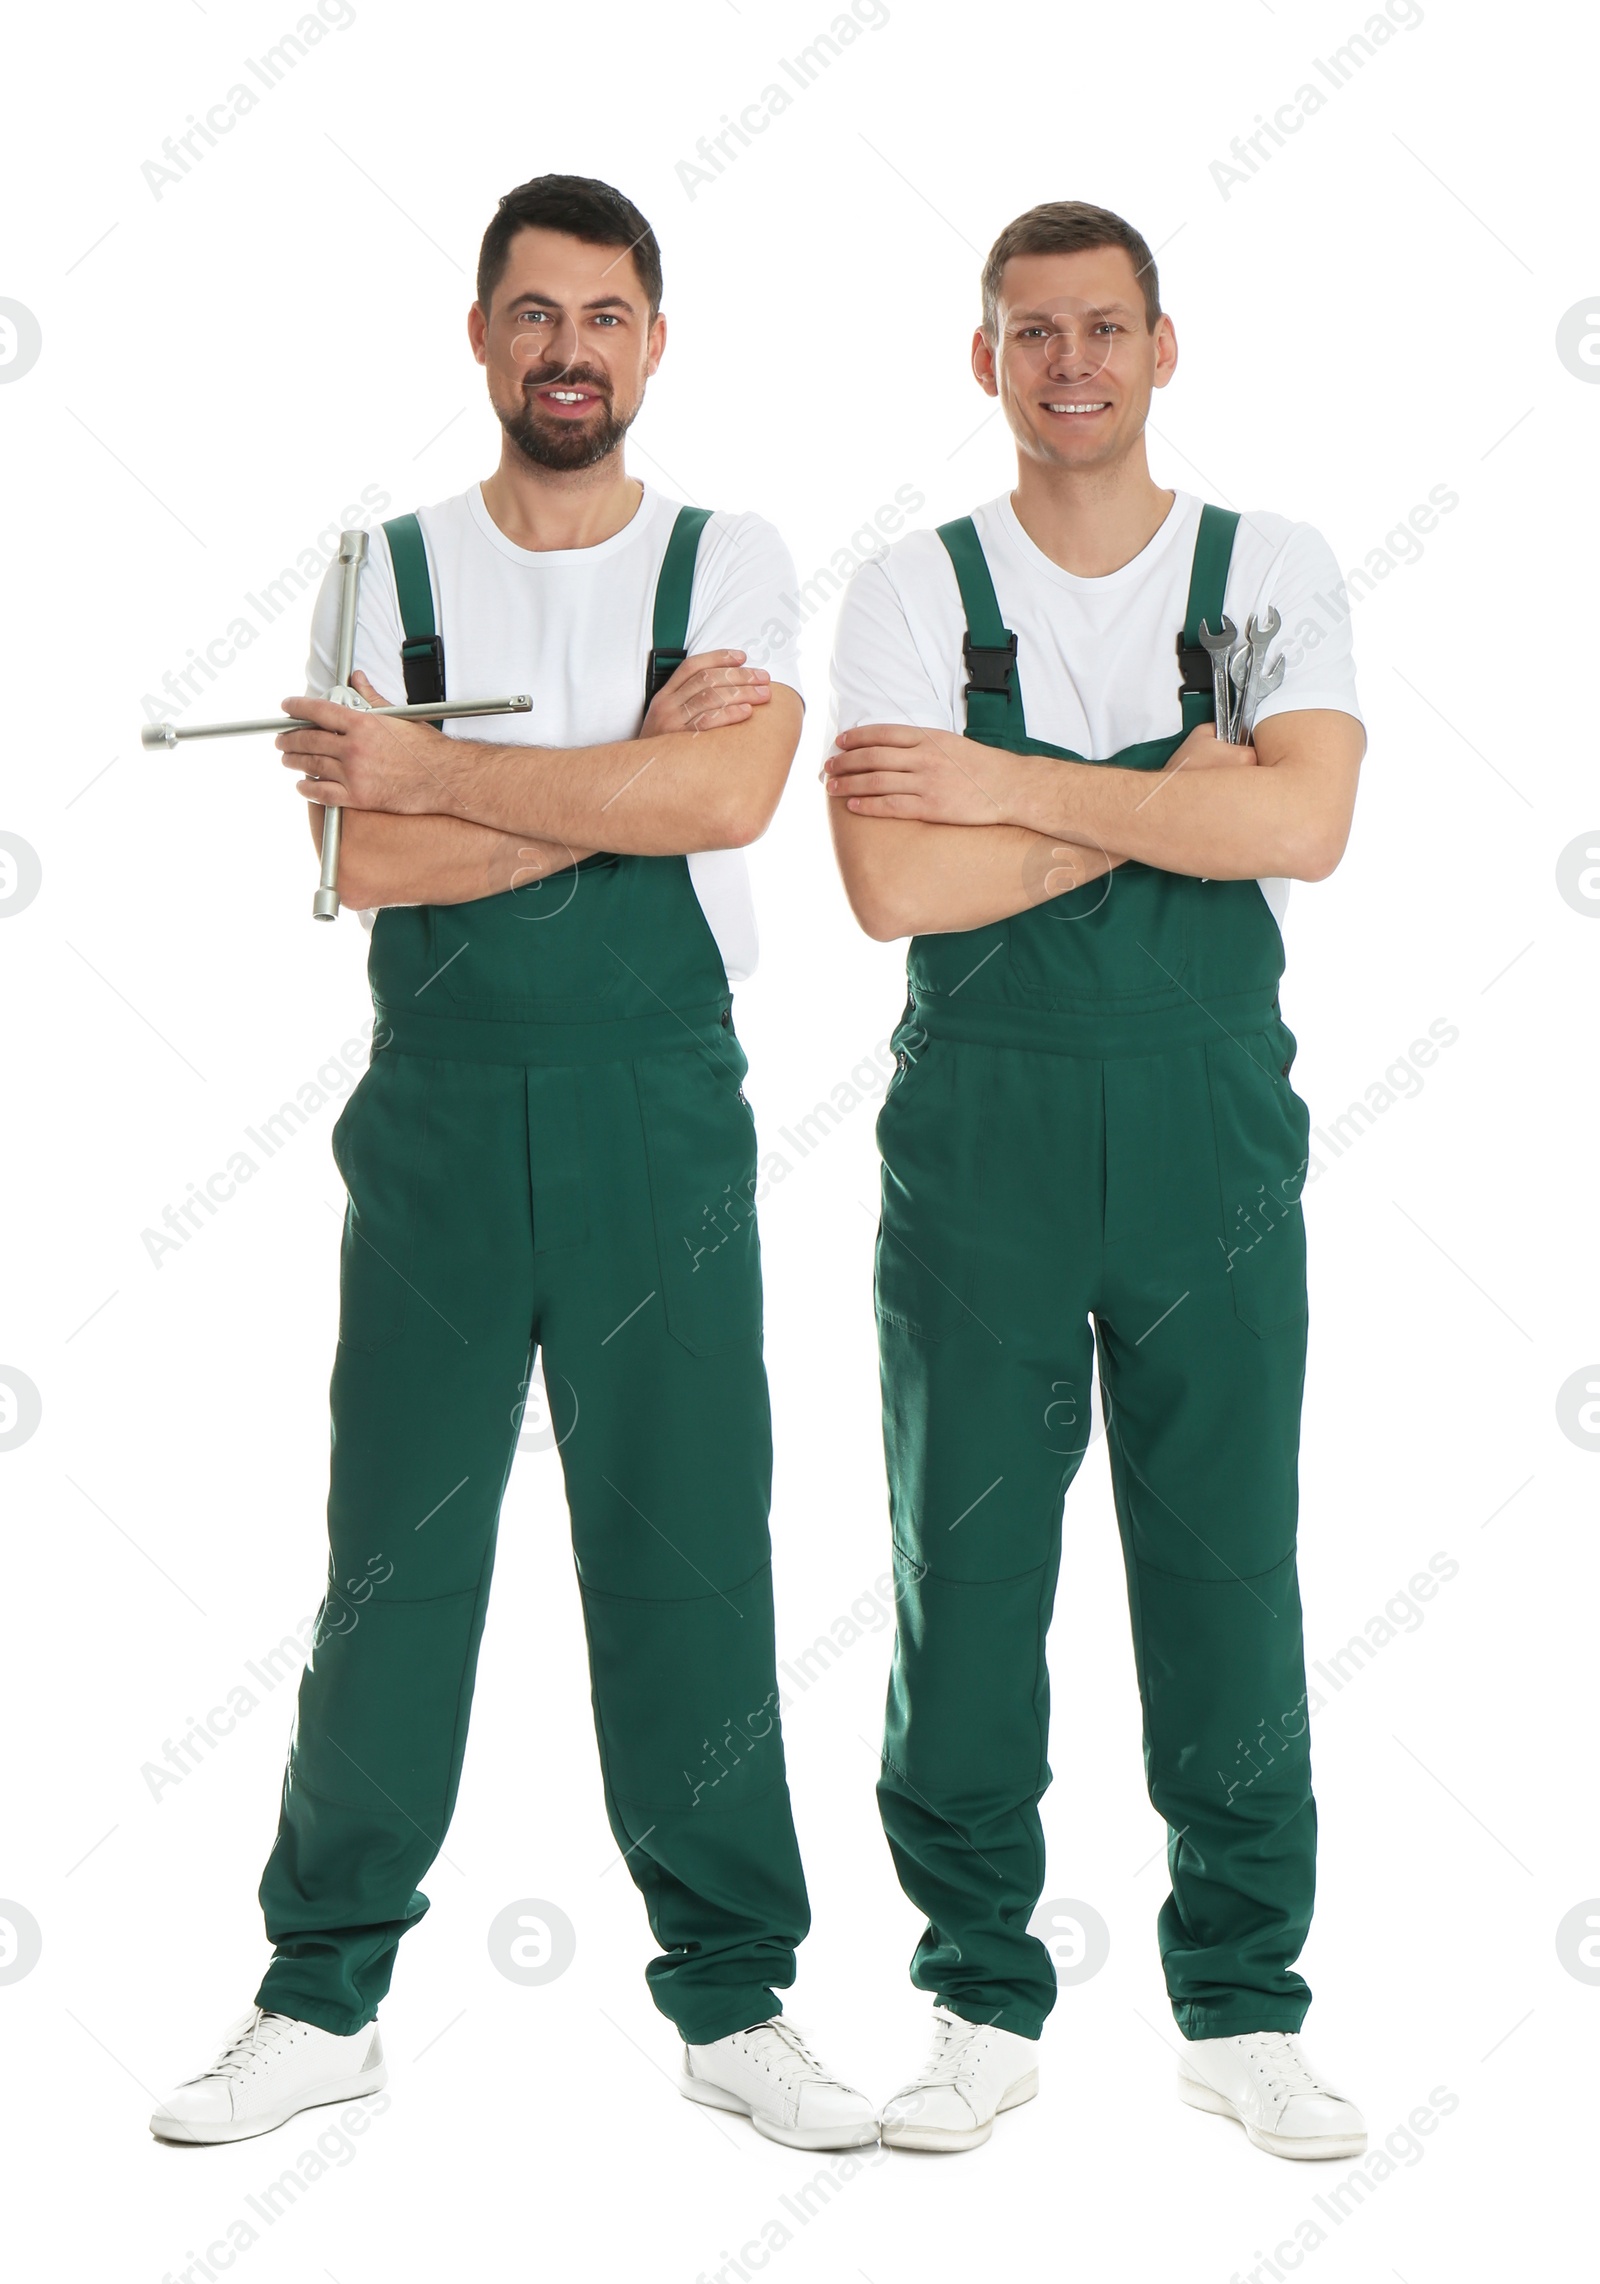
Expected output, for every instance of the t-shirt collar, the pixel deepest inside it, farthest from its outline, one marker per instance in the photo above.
(637, 526)
(1038, 565)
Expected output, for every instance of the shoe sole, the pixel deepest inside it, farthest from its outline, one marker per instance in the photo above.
(245, 2129)
(1312, 2146)
(937, 2139)
(792, 2136)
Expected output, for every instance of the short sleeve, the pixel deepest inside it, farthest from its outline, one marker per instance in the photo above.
(745, 596)
(878, 672)
(1307, 588)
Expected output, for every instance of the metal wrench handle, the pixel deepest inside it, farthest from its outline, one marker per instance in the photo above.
(1259, 634)
(352, 555)
(1218, 647)
(159, 735)
(1266, 684)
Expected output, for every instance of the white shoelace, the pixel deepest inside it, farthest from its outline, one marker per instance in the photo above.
(1283, 2067)
(261, 2035)
(952, 2055)
(778, 2046)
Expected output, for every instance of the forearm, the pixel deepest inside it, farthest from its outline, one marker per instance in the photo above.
(1288, 818)
(664, 795)
(909, 879)
(386, 859)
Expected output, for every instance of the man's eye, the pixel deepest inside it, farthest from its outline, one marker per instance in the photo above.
(608, 318)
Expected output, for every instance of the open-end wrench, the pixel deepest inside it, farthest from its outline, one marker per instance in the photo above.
(1265, 684)
(1258, 635)
(1219, 647)
(1238, 668)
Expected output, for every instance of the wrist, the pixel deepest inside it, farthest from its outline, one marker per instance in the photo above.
(1028, 799)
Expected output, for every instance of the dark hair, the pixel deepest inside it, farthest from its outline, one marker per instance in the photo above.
(1067, 226)
(580, 208)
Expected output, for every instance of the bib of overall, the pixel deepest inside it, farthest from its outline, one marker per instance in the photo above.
(1091, 1125)
(549, 1152)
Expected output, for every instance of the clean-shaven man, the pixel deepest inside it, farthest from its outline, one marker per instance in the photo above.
(1092, 1141)
(551, 1152)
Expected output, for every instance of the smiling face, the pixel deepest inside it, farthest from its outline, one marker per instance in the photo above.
(1073, 362)
(568, 344)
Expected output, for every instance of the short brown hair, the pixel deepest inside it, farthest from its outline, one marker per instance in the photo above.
(1067, 226)
(578, 207)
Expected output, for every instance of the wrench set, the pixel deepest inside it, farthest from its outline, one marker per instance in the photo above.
(1240, 675)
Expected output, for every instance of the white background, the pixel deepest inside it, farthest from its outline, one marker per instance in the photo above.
(1372, 314)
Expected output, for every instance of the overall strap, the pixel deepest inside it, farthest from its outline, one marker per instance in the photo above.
(1208, 582)
(422, 652)
(992, 692)
(669, 633)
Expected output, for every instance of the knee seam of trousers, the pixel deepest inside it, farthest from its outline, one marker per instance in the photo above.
(997, 1812)
(659, 1808)
(1234, 1577)
(675, 1601)
(1010, 1578)
(362, 1808)
(421, 1601)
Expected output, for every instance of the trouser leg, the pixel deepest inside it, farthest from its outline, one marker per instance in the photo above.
(435, 1313)
(1203, 1357)
(651, 1326)
(986, 1365)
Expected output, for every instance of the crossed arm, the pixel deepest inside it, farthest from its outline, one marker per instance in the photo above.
(935, 832)
(440, 820)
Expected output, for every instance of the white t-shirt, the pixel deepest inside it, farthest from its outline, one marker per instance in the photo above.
(571, 627)
(1096, 658)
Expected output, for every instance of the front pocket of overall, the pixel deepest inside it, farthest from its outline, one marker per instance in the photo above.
(542, 946)
(1263, 1133)
(1119, 940)
(929, 1136)
(377, 1146)
(700, 1144)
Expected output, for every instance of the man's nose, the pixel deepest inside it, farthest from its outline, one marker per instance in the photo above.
(555, 345)
(1074, 354)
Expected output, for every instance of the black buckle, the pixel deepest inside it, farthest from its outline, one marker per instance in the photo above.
(422, 660)
(989, 666)
(662, 666)
(1194, 669)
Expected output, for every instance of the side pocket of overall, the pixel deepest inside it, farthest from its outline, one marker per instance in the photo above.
(1263, 1134)
(377, 1146)
(929, 1136)
(700, 1144)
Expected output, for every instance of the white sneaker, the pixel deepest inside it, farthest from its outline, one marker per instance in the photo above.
(973, 2073)
(1265, 2082)
(769, 2074)
(271, 2066)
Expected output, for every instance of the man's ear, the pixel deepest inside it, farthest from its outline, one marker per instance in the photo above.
(1166, 350)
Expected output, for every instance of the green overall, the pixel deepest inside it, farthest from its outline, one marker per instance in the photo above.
(550, 1150)
(1091, 1121)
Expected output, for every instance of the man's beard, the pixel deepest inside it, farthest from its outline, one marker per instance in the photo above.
(560, 444)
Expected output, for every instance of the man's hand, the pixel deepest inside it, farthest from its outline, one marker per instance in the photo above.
(1203, 749)
(938, 778)
(353, 762)
(706, 693)
(887, 769)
